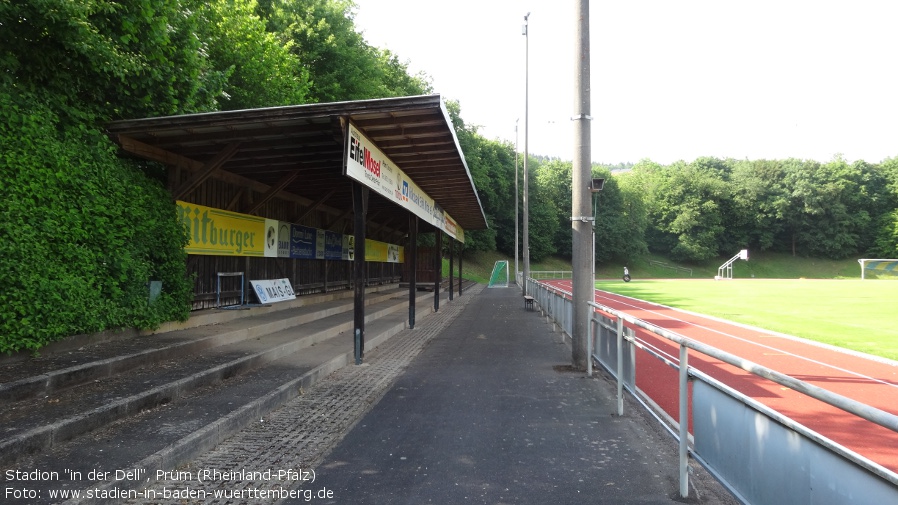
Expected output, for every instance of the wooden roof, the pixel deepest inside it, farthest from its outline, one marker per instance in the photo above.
(299, 150)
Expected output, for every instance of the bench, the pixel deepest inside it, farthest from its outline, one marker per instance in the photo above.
(528, 302)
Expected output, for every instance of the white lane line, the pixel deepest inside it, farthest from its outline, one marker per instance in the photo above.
(778, 351)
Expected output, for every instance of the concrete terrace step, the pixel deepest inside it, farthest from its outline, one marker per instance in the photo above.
(36, 424)
(30, 378)
(173, 434)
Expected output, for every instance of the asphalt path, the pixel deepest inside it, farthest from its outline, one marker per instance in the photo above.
(490, 412)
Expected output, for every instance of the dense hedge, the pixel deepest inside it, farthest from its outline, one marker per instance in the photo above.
(84, 232)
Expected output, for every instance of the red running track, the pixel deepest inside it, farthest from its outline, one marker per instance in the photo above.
(866, 379)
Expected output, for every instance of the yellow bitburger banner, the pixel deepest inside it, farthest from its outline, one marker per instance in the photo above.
(220, 232)
(223, 233)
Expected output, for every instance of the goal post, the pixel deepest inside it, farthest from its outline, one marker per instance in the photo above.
(878, 266)
(499, 277)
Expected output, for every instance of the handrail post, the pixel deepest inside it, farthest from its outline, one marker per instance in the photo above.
(589, 337)
(684, 421)
(620, 366)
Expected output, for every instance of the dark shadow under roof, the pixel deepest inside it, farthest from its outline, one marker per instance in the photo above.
(299, 150)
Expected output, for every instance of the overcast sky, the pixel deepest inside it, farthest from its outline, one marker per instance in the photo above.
(671, 80)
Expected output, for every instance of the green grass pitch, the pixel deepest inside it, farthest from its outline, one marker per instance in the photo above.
(854, 314)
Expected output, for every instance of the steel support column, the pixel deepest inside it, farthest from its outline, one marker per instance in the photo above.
(360, 208)
(411, 259)
(461, 253)
(451, 268)
(437, 270)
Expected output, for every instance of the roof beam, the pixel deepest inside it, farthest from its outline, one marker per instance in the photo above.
(339, 218)
(208, 169)
(273, 191)
(383, 225)
(233, 203)
(185, 139)
(315, 205)
(149, 152)
(152, 153)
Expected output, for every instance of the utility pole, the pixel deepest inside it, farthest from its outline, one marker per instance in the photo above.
(582, 218)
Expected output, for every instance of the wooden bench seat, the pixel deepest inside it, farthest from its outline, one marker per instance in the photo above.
(528, 302)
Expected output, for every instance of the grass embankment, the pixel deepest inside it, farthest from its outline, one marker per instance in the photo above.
(478, 267)
(759, 266)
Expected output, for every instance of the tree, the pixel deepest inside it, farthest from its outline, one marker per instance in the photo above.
(620, 224)
(634, 215)
(543, 226)
(886, 240)
(340, 64)
(488, 179)
(554, 177)
(757, 187)
(115, 59)
(688, 210)
(260, 69)
(830, 207)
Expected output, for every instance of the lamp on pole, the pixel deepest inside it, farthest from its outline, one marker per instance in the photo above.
(596, 186)
(526, 247)
(516, 200)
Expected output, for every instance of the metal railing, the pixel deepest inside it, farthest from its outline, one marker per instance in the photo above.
(551, 274)
(782, 462)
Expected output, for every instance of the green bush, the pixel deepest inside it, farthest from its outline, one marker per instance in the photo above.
(83, 232)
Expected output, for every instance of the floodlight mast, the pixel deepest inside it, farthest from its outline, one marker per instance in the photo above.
(526, 225)
(582, 218)
(516, 195)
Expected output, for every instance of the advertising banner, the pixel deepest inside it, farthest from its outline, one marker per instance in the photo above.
(333, 245)
(368, 165)
(283, 239)
(302, 242)
(375, 251)
(348, 247)
(222, 233)
(273, 290)
(382, 252)
(319, 244)
(271, 238)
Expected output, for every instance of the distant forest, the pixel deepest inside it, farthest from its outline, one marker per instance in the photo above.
(95, 221)
(710, 208)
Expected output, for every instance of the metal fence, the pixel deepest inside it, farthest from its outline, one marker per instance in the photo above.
(675, 268)
(762, 456)
(551, 274)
